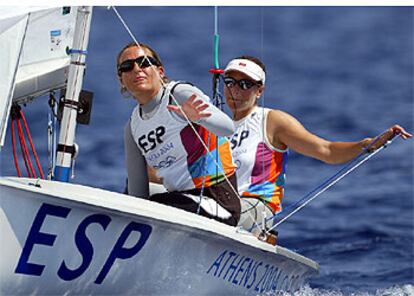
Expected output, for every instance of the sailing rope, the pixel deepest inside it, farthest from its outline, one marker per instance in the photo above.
(51, 134)
(16, 115)
(217, 97)
(264, 120)
(366, 155)
(175, 100)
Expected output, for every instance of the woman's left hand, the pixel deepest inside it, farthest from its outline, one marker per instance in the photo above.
(388, 135)
(193, 109)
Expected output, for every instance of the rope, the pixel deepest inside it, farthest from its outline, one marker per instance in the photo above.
(25, 151)
(216, 79)
(216, 39)
(335, 178)
(17, 114)
(51, 128)
(217, 73)
(345, 168)
(29, 137)
(264, 119)
(16, 161)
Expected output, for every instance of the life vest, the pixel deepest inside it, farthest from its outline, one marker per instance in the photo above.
(260, 167)
(170, 146)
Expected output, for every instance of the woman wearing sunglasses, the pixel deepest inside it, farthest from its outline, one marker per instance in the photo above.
(263, 136)
(161, 145)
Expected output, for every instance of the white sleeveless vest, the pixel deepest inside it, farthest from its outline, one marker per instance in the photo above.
(260, 166)
(170, 146)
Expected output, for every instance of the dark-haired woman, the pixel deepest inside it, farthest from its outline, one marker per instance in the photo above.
(263, 136)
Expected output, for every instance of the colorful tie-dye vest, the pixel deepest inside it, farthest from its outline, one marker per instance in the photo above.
(260, 167)
(170, 146)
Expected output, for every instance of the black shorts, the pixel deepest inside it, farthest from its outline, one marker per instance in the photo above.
(219, 195)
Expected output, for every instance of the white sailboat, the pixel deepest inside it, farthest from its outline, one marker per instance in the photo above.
(63, 238)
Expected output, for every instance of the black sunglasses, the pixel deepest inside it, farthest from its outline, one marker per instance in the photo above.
(142, 61)
(244, 84)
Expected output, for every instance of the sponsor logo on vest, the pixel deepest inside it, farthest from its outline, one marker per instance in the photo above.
(237, 139)
(165, 163)
(163, 150)
(149, 141)
(237, 163)
(239, 152)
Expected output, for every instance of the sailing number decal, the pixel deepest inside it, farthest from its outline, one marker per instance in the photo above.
(121, 250)
(237, 139)
(251, 274)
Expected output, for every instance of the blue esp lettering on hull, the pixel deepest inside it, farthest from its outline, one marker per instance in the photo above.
(84, 245)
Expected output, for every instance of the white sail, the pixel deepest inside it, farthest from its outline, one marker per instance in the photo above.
(11, 39)
(35, 40)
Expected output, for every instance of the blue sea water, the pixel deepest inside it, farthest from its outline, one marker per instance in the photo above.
(345, 72)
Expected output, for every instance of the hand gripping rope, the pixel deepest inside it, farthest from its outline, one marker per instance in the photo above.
(364, 156)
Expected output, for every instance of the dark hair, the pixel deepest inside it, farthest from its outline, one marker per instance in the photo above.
(254, 60)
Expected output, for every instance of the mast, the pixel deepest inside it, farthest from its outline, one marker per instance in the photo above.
(66, 148)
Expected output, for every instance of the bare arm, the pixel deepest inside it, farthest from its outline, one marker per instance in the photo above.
(152, 175)
(285, 130)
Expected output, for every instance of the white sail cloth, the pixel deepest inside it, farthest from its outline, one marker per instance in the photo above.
(33, 43)
(11, 40)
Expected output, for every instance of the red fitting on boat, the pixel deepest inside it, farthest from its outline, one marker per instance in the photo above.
(216, 71)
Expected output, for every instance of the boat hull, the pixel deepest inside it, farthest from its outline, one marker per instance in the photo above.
(60, 238)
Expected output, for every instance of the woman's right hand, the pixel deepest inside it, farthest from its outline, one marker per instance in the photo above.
(193, 109)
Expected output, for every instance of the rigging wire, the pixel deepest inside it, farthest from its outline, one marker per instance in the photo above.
(216, 79)
(216, 76)
(346, 170)
(264, 120)
(51, 129)
(16, 161)
(217, 96)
